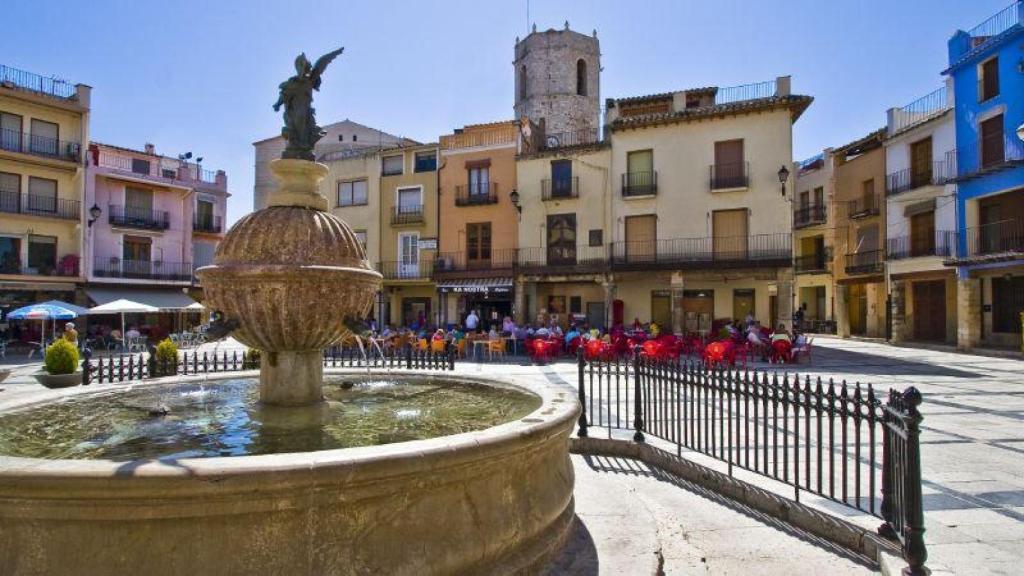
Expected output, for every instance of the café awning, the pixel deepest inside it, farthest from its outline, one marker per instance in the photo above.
(165, 300)
(477, 285)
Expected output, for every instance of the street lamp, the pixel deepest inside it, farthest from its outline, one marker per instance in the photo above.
(783, 176)
(513, 196)
(94, 214)
(1020, 131)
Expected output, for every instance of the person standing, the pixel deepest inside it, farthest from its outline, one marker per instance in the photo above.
(70, 334)
(472, 321)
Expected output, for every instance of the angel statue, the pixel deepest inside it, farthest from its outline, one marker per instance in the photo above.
(300, 129)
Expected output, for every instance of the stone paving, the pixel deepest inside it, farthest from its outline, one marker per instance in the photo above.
(972, 441)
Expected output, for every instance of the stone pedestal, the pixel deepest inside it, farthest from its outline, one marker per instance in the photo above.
(900, 326)
(292, 378)
(968, 313)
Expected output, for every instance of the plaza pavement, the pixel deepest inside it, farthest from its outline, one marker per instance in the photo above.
(972, 459)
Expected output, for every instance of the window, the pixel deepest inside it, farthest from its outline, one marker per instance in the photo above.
(523, 90)
(867, 194)
(988, 84)
(10, 255)
(341, 137)
(992, 151)
(42, 253)
(729, 234)
(921, 162)
(819, 196)
(479, 181)
(355, 137)
(361, 238)
(410, 199)
(44, 137)
(561, 179)
(10, 191)
(409, 255)
(391, 166)
(561, 238)
(10, 132)
(353, 193)
(138, 201)
(202, 253)
(805, 200)
(140, 166)
(42, 194)
(1007, 303)
(922, 234)
(641, 238)
(136, 248)
(581, 77)
(596, 237)
(478, 243)
(426, 161)
(640, 179)
(730, 169)
(204, 214)
(575, 305)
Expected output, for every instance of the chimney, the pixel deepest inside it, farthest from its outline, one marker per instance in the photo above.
(150, 149)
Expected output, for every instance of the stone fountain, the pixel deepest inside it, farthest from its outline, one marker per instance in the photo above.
(292, 275)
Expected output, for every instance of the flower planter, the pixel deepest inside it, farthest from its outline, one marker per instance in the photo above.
(59, 380)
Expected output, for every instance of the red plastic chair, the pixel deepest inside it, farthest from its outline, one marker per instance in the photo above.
(715, 354)
(782, 351)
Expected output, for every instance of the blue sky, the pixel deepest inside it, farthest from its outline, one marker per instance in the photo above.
(201, 76)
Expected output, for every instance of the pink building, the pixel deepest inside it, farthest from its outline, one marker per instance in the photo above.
(151, 220)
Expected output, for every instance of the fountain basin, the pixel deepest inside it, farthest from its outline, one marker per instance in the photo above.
(494, 501)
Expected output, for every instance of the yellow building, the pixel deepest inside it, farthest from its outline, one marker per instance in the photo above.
(44, 132)
(408, 227)
(813, 239)
(700, 224)
(352, 189)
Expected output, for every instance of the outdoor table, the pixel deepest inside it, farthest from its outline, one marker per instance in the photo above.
(477, 343)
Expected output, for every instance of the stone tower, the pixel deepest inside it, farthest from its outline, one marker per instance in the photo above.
(558, 79)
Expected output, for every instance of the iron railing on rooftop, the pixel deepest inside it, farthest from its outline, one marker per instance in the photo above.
(26, 143)
(156, 167)
(939, 243)
(924, 108)
(998, 23)
(729, 94)
(841, 442)
(30, 82)
(37, 205)
(476, 194)
(583, 137)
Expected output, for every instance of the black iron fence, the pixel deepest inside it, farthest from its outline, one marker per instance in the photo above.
(766, 89)
(936, 173)
(397, 270)
(990, 154)
(729, 175)
(37, 205)
(863, 207)
(31, 82)
(142, 269)
(865, 262)
(1005, 236)
(837, 441)
(939, 243)
(134, 367)
(36, 145)
(502, 259)
(728, 251)
(476, 194)
(810, 263)
(138, 217)
(639, 184)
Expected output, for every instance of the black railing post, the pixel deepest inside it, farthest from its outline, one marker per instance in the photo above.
(886, 529)
(638, 409)
(451, 355)
(914, 551)
(86, 368)
(581, 364)
(153, 373)
(408, 357)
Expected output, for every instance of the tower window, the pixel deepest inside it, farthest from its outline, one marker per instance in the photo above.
(581, 77)
(522, 83)
(341, 137)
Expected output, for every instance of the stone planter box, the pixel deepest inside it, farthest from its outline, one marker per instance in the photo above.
(59, 380)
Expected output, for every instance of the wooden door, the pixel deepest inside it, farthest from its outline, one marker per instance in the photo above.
(729, 231)
(729, 167)
(857, 305)
(921, 162)
(641, 238)
(922, 234)
(698, 310)
(562, 239)
(930, 310)
(478, 245)
(742, 304)
(661, 309)
(992, 141)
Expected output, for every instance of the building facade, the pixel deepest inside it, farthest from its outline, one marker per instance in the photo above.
(408, 224)
(984, 64)
(44, 128)
(479, 233)
(352, 188)
(813, 242)
(858, 264)
(921, 218)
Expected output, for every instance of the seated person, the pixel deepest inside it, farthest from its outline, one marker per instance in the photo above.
(781, 334)
(655, 330)
(508, 326)
(132, 333)
(571, 334)
(438, 335)
(542, 332)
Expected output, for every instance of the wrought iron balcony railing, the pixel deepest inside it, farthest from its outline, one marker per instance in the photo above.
(395, 270)
(578, 257)
(812, 263)
(476, 194)
(726, 176)
(483, 260)
(941, 243)
(25, 143)
(864, 207)
(408, 214)
(44, 206)
(937, 173)
(989, 155)
(30, 82)
(994, 240)
(142, 270)
(209, 224)
(67, 267)
(560, 189)
(639, 184)
(720, 252)
(866, 262)
(557, 140)
(141, 218)
(810, 216)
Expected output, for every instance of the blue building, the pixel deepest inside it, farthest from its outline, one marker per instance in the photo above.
(987, 67)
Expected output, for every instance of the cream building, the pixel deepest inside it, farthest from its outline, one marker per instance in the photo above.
(700, 224)
(44, 135)
(813, 240)
(921, 218)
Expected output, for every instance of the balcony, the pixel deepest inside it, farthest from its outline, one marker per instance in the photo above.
(43, 206)
(810, 216)
(639, 184)
(866, 262)
(766, 89)
(560, 189)
(815, 263)
(394, 270)
(563, 258)
(67, 267)
(921, 110)
(139, 218)
(142, 270)
(729, 176)
(942, 243)
(988, 156)
(994, 242)
(478, 194)
(29, 82)
(405, 215)
(935, 174)
(486, 261)
(41, 146)
(207, 224)
(865, 207)
(761, 250)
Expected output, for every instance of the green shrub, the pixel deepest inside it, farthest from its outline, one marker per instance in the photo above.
(251, 359)
(61, 357)
(166, 357)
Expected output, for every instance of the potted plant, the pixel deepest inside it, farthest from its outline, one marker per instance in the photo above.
(165, 358)
(60, 366)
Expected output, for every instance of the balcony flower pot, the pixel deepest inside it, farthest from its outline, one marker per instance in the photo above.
(59, 380)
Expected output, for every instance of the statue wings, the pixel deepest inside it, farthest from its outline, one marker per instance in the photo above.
(322, 62)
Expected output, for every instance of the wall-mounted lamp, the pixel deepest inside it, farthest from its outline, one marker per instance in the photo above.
(513, 196)
(783, 176)
(1020, 131)
(94, 214)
